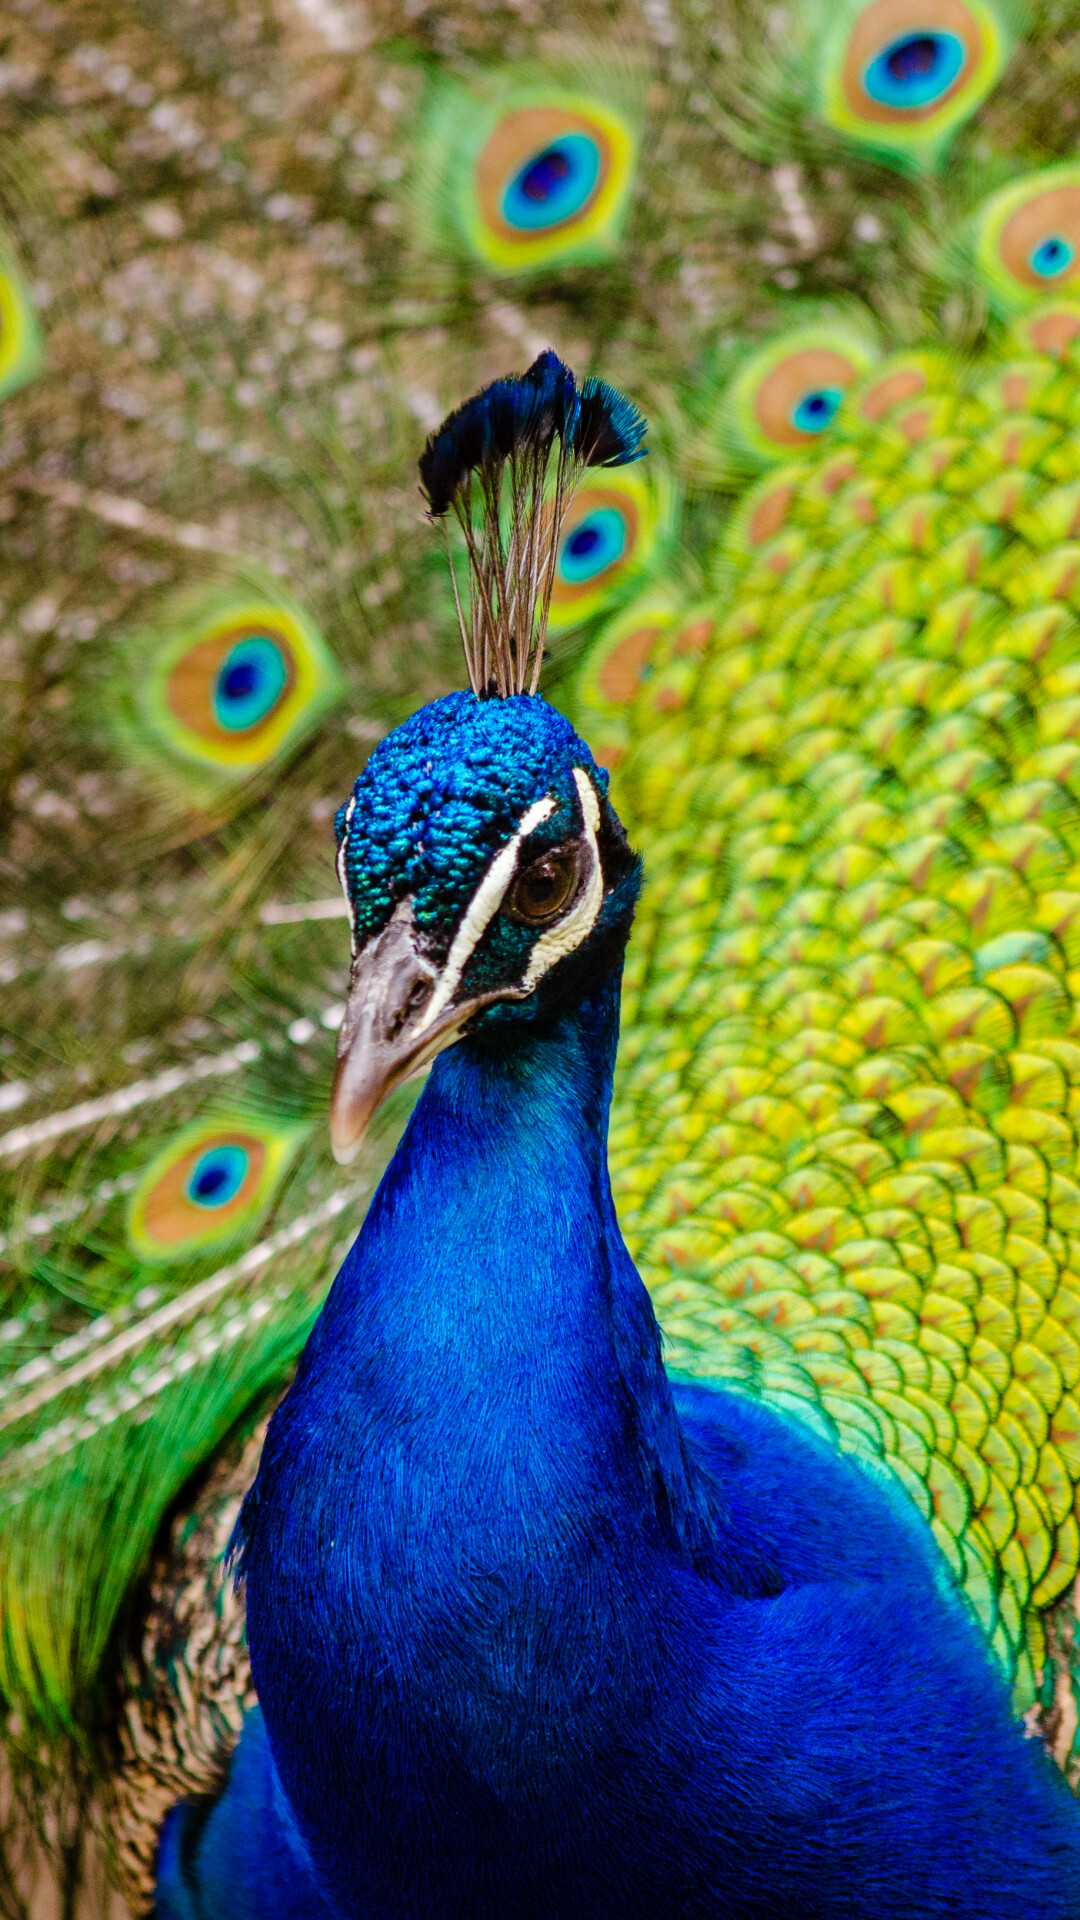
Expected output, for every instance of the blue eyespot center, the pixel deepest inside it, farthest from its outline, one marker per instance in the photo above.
(915, 69)
(217, 1176)
(553, 185)
(1052, 257)
(597, 542)
(250, 682)
(545, 175)
(817, 409)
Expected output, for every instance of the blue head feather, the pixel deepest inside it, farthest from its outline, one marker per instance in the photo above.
(597, 425)
(556, 393)
(441, 795)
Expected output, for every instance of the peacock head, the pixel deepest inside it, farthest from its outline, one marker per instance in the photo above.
(488, 879)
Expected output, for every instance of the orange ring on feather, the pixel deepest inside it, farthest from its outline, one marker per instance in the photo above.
(169, 1215)
(1055, 211)
(813, 369)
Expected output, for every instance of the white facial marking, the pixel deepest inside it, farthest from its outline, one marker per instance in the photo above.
(342, 879)
(482, 909)
(580, 921)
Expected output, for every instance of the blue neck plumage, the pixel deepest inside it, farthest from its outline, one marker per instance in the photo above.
(493, 1294)
(479, 1460)
(488, 1319)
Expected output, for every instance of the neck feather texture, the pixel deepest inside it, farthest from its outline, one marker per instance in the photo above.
(488, 1319)
(478, 1479)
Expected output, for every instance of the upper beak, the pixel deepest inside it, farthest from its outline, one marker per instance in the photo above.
(383, 1038)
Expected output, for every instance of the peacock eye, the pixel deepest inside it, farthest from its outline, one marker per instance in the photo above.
(544, 889)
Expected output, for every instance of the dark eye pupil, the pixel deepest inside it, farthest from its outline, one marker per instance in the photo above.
(541, 890)
(545, 173)
(913, 57)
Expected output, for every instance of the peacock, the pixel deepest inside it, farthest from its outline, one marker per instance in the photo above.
(523, 1615)
(816, 653)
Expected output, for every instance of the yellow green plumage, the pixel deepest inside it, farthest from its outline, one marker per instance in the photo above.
(844, 1142)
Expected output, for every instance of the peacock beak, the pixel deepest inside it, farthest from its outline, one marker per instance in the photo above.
(387, 1032)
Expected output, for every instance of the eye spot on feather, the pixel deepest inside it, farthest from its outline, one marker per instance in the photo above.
(211, 1182)
(253, 677)
(785, 397)
(235, 688)
(902, 75)
(219, 1174)
(1052, 257)
(817, 409)
(596, 543)
(555, 185)
(550, 181)
(915, 71)
(1028, 237)
(20, 340)
(1039, 240)
(231, 682)
(798, 398)
(610, 533)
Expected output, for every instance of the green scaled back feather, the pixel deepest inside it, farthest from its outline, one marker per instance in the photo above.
(848, 1170)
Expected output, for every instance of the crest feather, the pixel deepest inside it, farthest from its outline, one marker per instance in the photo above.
(506, 463)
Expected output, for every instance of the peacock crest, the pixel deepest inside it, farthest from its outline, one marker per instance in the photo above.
(507, 465)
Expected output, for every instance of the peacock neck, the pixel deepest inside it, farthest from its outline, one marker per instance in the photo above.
(475, 1494)
(489, 1308)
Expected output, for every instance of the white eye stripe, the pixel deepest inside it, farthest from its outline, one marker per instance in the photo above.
(341, 874)
(569, 933)
(482, 909)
